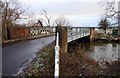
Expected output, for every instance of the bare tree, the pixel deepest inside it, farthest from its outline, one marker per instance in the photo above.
(11, 13)
(111, 11)
(104, 24)
(48, 18)
(31, 20)
(49, 21)
(62, 21)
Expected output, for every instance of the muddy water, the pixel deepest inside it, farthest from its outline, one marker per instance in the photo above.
(102, 52)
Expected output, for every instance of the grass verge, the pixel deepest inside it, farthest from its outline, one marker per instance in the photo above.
(43, 64)
(72, 64)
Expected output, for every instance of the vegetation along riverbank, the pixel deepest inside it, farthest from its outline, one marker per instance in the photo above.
(72, 63)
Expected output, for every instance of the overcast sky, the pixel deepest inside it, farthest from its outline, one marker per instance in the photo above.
(79, 12)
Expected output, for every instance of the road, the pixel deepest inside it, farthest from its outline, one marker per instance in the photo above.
(15, 55)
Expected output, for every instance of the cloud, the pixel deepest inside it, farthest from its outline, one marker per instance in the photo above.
(68, 8)
(79, 12)
(38, 1)
(77, 20)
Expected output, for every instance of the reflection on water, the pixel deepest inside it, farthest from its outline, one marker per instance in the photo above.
(106, 52)
(102, 52)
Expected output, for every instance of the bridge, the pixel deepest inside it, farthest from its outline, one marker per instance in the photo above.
(65, 35)
(18, 33)
(25, 49)
(36, 31)
(74, 33)
(69, 34)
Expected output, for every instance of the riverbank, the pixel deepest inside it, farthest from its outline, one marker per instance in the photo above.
(107, 37)
(72, 63)
(78, 62)
(43, 64)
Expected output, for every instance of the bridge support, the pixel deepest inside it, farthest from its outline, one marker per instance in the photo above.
(119, 31)
(67, 35)
(92, 34)
(62, 38)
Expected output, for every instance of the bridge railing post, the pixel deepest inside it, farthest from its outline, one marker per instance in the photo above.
(62, 38)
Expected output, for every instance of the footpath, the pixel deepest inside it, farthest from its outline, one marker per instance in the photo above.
(27, 38)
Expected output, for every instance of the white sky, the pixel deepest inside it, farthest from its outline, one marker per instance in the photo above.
(79, 12)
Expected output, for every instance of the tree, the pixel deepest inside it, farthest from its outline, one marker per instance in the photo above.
(111, 11)
(48, 18)
(62, 21)
(119, 13)
(11, 13)
(104, 24)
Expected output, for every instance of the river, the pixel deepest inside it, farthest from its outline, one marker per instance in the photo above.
(102, 51)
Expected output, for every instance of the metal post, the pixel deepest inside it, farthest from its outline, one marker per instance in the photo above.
(56, 73)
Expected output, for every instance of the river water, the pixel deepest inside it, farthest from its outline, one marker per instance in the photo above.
(103, 52)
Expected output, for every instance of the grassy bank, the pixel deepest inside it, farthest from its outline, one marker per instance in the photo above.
(107, 37)
(76, 63)
(43, 64)
(72, 63)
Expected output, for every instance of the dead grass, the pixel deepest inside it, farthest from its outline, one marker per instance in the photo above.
(72, 63)
(43, 64)
(78, 64)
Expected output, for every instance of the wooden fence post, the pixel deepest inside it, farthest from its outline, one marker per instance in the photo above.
(62, 38)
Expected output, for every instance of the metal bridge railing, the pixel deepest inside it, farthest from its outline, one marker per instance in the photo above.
(34, 31)
(77, 32)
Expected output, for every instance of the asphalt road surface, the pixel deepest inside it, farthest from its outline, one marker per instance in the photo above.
(15, 55)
